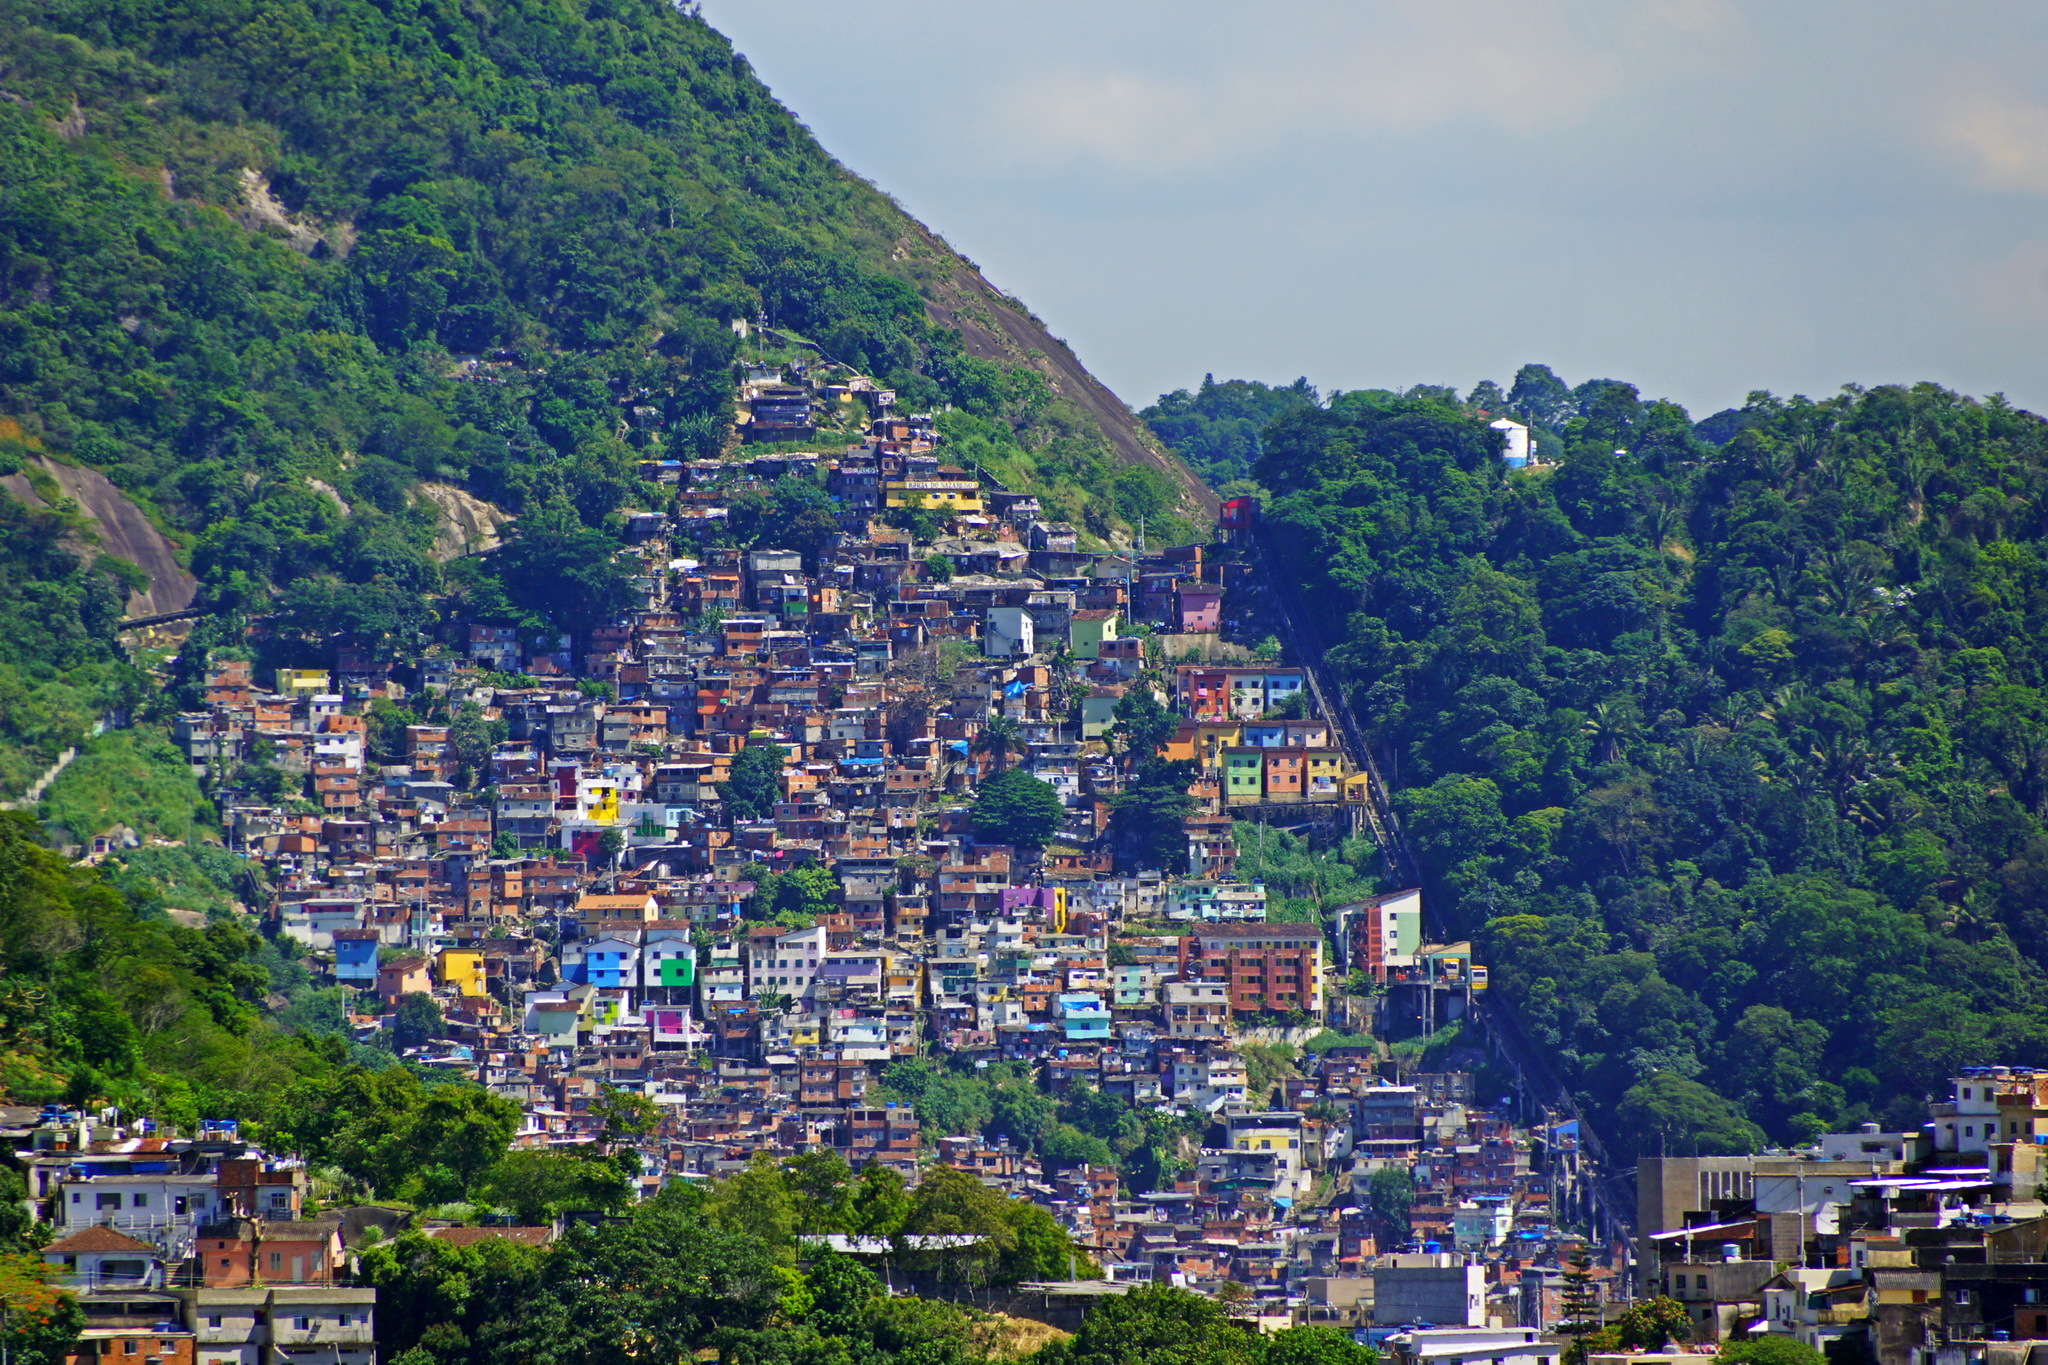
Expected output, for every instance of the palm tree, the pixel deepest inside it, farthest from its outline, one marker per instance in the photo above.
(998, 738)
(1611, 726)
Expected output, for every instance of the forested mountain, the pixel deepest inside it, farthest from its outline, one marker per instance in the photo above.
(241, 243)
(1732, 752)
(246, 249)
(1216, 429)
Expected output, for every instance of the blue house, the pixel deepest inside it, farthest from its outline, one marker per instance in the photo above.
(355, 958)
(603, 962)
(1084, 1017)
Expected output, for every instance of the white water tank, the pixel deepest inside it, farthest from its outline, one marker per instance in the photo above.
(1514, 442)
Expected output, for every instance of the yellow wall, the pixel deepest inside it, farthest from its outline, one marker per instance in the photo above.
(463, 970)
(960, 499)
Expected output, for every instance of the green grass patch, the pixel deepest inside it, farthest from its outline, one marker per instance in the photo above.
(133, 777)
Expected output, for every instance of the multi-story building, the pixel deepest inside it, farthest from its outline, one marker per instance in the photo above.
(1267, 968)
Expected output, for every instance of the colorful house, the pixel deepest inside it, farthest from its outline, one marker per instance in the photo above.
(1086, 630)
(1244, 775)
(355, 957)
(1325, 774)
(1083, 1017)
(671, 963)
(463, 968)
(403, 976)
(608, 963)
(1200, 610)
(1286, 774)
(1204, 693)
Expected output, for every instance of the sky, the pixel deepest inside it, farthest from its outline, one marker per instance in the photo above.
(1701, 197)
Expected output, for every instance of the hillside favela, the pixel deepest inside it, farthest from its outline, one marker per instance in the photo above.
(609, 755)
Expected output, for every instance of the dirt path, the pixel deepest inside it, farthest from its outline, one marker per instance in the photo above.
(34, 794)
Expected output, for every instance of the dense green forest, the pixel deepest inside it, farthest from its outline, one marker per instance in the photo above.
(1727, 742)
(1005, 1103)
(673, 1283)
(1218, 428)
(247, 247)
(107, 997)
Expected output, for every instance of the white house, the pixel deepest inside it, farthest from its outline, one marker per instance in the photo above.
(1011, 634)
(787, 964)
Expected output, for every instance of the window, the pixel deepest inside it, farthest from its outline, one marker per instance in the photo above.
(277, 1260)
(106, 1201)
(213, 1320)
(303, 1324)
(141, 1201)
(128, 1348)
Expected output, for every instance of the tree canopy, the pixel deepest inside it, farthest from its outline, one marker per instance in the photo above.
(1013, 807)
(756, 780)
(382, 259)
(1726, 743)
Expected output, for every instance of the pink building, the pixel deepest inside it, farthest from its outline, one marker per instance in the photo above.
(1201, 611)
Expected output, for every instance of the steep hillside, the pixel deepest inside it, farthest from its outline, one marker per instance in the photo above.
(118, 528)
(1729, 743)
(602, 188)
(317, 287)
(997, 327)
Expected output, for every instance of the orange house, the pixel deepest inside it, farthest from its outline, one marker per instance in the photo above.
(165, 1344)
(1180, 748)
(226, 1262)
(1286, 770)
(298, 1253)
(403, 976)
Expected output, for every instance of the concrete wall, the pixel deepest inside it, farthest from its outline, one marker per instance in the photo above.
(1443, 1296)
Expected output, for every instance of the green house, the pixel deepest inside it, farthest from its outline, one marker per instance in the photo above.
(1244, 774)
(1086, 630)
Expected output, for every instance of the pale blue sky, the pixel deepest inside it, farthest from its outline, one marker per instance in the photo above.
(1700, 196)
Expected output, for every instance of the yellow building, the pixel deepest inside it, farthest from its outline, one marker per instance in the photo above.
(939, 495)
(1325, 775)
(1212, 737)
(463, 968)
(294, 681)
(600, 798)
(1250, 1135)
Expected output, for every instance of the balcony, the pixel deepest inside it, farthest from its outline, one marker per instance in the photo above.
(319, 1332)
(149, 1276)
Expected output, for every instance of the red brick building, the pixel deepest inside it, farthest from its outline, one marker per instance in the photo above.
(1269, 968)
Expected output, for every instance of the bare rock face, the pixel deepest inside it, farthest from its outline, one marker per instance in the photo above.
(469, 525)
(262, 210)
(994, 326)
(123, 530)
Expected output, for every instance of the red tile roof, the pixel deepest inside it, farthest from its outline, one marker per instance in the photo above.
(98, 1239)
